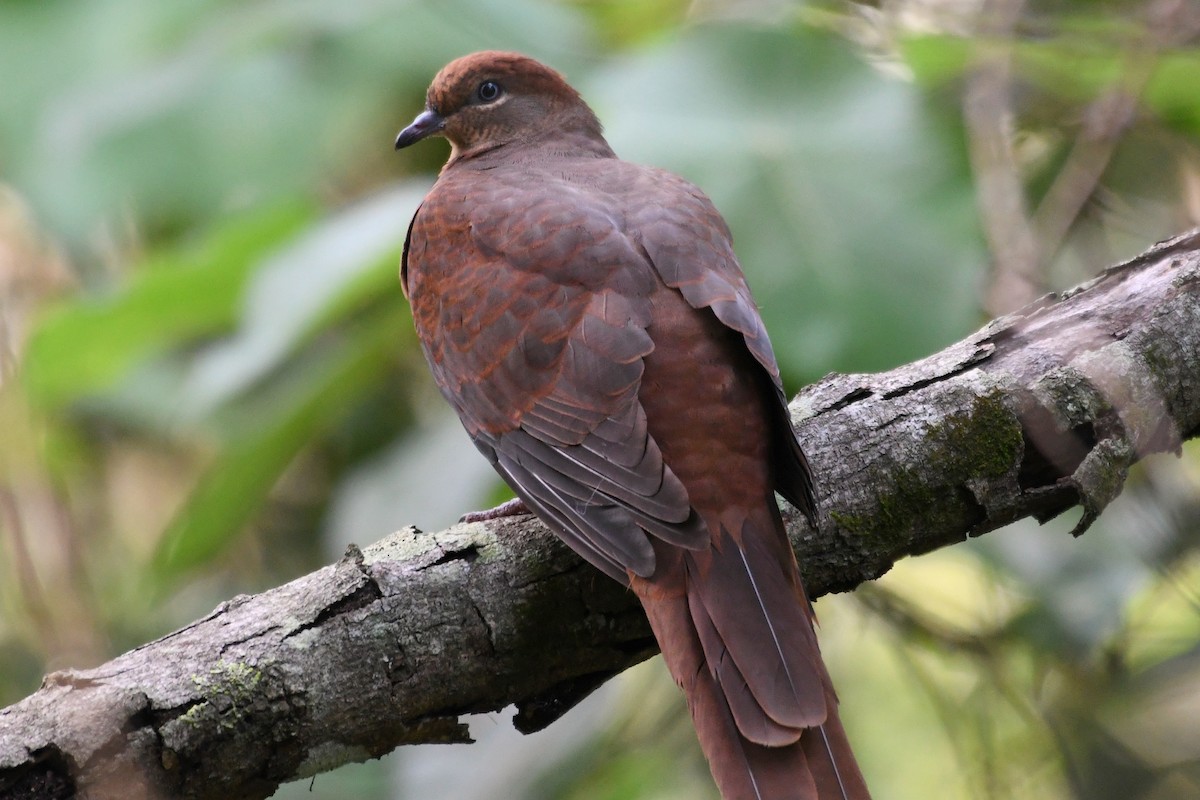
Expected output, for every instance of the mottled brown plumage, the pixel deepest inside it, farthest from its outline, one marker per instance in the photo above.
(589, 322)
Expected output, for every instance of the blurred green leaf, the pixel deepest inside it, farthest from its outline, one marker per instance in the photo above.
(337, 264)
(626, 22)
(170, 111)
(1073, 69)
(1174, 91)
(935, 60)
(293, 411)
(88, 342)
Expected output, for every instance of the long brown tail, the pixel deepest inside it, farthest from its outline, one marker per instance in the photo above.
(736, 630)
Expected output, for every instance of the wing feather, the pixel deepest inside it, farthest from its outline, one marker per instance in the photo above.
(706, 272)
(545, 374)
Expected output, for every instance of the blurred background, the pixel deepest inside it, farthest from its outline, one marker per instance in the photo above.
(209, 382)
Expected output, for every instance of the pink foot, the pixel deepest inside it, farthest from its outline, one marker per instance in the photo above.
(508, 509)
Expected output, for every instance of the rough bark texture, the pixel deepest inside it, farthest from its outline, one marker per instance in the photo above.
(1039, 411)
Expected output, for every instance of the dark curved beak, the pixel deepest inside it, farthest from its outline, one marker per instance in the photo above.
(427, 123)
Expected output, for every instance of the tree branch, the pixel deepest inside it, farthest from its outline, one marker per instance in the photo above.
(1037, 412)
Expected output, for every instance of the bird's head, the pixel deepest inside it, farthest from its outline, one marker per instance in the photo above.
(485, 100)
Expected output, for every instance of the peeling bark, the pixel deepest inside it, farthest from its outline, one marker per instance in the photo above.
(1039, 411)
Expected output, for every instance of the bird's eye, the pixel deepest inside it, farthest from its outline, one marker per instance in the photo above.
(488, 91)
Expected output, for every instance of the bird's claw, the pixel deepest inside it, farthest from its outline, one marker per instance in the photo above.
(510, 508)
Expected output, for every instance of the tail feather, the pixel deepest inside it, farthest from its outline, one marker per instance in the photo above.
(763, 623)
(747, 712)
(736, 632)
(742, 769)
(831, 761)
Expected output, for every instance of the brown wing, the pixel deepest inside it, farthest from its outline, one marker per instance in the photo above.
(691, 247)
(532, 307)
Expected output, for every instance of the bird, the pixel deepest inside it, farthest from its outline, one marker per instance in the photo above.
(589, 322)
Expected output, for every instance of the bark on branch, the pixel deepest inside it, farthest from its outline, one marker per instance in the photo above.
(1038, 412)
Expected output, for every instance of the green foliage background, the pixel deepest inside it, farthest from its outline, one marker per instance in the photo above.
(210, 382)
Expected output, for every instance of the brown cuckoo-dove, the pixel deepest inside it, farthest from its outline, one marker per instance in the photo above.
(589, 322)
